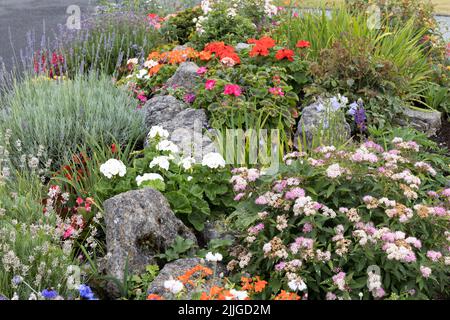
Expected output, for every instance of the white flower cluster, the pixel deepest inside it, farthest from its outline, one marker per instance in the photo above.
(148, 177)
(213, 160)
(213, 257)
(113, 167)
(174, 286)
(158, 131)
(167, 145)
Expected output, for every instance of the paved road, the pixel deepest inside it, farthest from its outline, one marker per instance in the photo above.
(17, 17)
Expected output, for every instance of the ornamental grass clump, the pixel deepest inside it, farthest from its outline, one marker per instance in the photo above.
(61, 115)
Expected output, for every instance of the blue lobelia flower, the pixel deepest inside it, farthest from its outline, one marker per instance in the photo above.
(49, 294)
(86, 292)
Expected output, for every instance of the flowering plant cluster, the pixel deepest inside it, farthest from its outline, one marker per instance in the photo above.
(194, 188)
(346, 224)
(204, 283)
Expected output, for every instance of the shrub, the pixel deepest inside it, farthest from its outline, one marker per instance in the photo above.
(180, 27)
(223, 22)
(59, 115)
(343, 222)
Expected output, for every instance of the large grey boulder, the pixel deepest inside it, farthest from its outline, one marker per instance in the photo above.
(139, 225)
(426, 121)
(185, 77)
(173, 270)
(187, 131)
(315, 121)
(160, 109)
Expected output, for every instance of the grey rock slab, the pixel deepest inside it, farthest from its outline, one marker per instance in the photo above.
(139, 225)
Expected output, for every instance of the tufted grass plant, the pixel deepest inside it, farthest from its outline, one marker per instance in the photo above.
(61, 114)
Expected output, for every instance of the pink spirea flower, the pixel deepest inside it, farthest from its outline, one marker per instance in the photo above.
(202, 71)
(307, 227)
(426, 272)
(294, 194)
(210, 84)
(280, 266)
(439, 211)
(446, 192)
(232, 90)
(261, 200)
(434, 255)
(239, 196)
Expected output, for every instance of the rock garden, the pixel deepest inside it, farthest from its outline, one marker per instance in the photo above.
(229, 150)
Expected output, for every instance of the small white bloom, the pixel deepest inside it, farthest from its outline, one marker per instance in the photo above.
(189, 178)
(213, 257)
(158, 131)
(161, 161)
(113, 167)
(187, 163)
(239, 295)
(150, 64)
(297, 285)
(133, 61)
(142, 73)
(174, 286)
(167, 145)
(213, 160)
(148, 177)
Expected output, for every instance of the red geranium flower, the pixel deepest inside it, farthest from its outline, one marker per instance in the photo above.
(285, 54)
(261, 47)
(303, 44)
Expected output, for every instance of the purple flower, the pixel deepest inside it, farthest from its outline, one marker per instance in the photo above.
(189, 98)
(49, 294)
(360, 119)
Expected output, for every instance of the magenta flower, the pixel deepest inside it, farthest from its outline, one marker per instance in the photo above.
(202, 71)
(232, 90)
(210, 84)
(276, 91)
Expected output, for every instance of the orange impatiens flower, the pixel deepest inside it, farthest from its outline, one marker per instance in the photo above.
(285, 54)
(155, 55)
(203, 273)
(204, 55)
(284, 295)
(154, 70)
(154, 297)
(260, 284)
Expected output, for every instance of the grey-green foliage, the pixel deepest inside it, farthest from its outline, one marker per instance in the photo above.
(60, 115)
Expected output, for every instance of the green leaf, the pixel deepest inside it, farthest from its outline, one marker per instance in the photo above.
(178, 202)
